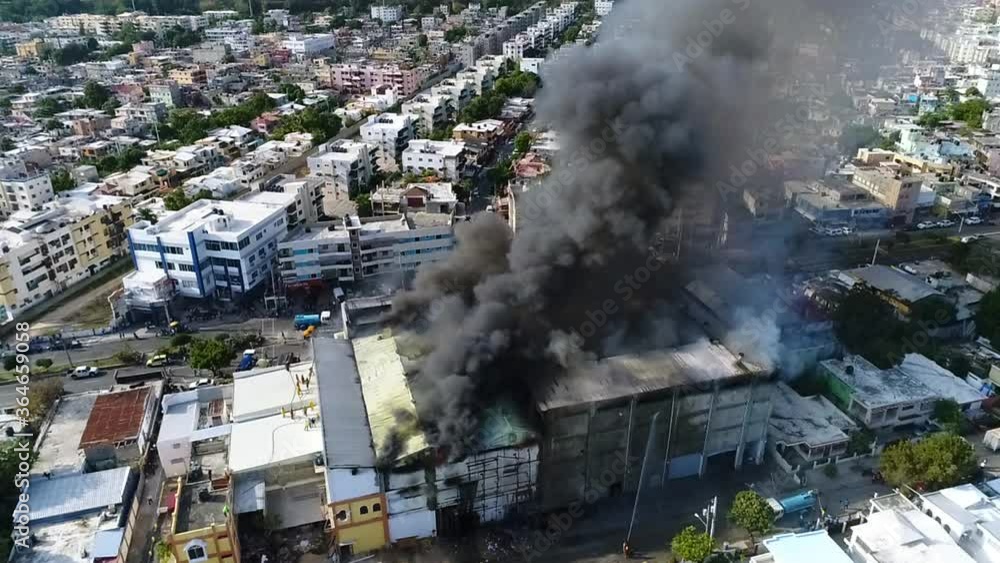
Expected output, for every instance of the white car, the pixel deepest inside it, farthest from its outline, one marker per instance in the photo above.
(946, 223)
(200, 383)
(973, 220)
(83, 372)
(971, 238)
(925, 225)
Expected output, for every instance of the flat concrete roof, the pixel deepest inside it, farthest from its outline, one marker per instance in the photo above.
(624, 376)
(813, 421)
(811, 547)
(264, 392)
(916, 379)
(59, 449)
(273, 440)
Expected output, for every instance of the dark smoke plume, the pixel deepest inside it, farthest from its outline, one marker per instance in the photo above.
(648, 116)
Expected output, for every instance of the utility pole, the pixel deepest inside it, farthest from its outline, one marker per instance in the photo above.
(875, 255)
(642, 473)
(707, 516)
(66, 349)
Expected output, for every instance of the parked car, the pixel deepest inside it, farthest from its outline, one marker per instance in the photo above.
(83, 372)
(973, 220)
(946, 223)
(971, 238)
(200, 383)
(157, 361)
(926, 225)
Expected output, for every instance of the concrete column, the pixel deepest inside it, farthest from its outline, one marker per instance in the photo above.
(708, 428)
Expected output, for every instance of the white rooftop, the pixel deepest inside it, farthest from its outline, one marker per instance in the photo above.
(59, 450)
(274, 440)
(906, 536)
(917, 378)
(808, 547)
(446, 148)
(242, 216)
(66, 542)
(264, 392)
(813, 421)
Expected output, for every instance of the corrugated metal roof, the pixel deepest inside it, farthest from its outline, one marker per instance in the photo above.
(107, 543)
(77, 494)
(248, 495)
(115, 417)
(346, 433)
(908, 288)
(387, 395)
(624, 376)
(503, 426)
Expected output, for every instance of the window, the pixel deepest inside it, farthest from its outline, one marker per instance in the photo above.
(196, 550)
(177, 461)
(159, 264)
(364, 510)
(186, 267)
(342, 515)
(244, 242)
(213, 245)
(173, 250)
(376, 507)
(259, 236)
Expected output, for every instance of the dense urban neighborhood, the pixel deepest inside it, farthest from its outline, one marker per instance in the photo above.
(589, 281)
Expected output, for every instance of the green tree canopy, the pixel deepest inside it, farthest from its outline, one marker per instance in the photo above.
(61, 180)
(938, 461)
(211, 355)
(522, 143)
(970, 111)
(455, 34)
(364, 205)
(49, 106)
(988, 317)
(867, 325)
(95, 94)
(751, 512)
(691, 545)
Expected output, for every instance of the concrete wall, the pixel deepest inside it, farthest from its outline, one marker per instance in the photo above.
(597, 449)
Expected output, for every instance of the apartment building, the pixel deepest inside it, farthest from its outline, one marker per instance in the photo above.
(237, 35)
(438, 197)
(387, 14)
(390, 133)
(89, 23)
(189, 75)
(894, 186)
(210, 248)
(43, 253)
(167, 93)
(251, 169)
(302, 197)
(344, 166)
(34, 49)
(357, 79)
(458, 92)
(309, 45)
(22, 189)
(149, 112)
(432, 112)
(445, 159)
(603, 7)
(347, 251)
(481, 78)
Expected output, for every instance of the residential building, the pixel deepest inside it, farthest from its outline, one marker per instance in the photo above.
(900, 289)
(807, 429)
(445, 159)
(352, 249)
(833, 203)
(897, 396)
(34, 49)
(150, 112)
(345, 166)
(486, 131)
(390, 133)
(189, 75)
(251, 169)
(43, 253)
(210, 248)
(482, 78)
(210, 54)
(23, 190)
(237, 35)
(302, 198)
(387, 14)
(458, 92)
(413, 198)
(309, 45)
(356, 79)
(432, 112)
(167, 93)
(603, 7)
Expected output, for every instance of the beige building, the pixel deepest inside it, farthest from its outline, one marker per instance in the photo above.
(893, 185)
(188, 75)
(44, 253)
(33, 49)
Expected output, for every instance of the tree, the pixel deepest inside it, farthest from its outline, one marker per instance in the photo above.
(43, 363)
(421, 40)
(973, 92)
(211, 355)
(294, 92)
(970, 111)
(934, 309)
(47, 107)
(61, 180)
(146, 214)
(932, 119)
(950, 95)
(947, 411)
(867, 325)
(42, 396)
(364, 205)
(938, 461)
(860, 442)
(692, 545)
(988, 317)
(9, 362)
(522, 143)
(95, 94)
(181, 340)
(6, 144)
(752, 513)
(176, 200)
(570, 34)
(500, 174)
(455, 34)
(854, 137)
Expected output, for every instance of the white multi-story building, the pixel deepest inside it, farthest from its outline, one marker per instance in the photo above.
(459, 92)
(308, 45)
(387, 13)
(432, 112)
(344, 165)
(149, 112)
(210, 248)
(167, 93)
(23, 190)
(352, 249)
(390, 133)
(428, 23)
(445, 159)
(603, 7)
(302, 198)
(481, 78)
(251, 169)
(237, 35)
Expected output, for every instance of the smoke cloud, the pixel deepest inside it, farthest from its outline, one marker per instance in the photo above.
(649, 117)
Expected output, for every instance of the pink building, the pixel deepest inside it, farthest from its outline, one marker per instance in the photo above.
(355, 79)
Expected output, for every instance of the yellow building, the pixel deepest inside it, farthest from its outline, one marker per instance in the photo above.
(360, 524)
(34, 49)
(189, 75)
(101, 236)
(203, 527)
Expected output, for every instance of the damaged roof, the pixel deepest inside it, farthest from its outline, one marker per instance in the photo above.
(634, 374)
(116, 417)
